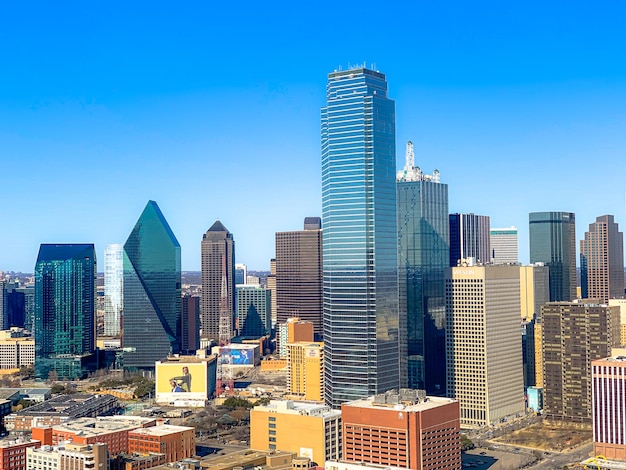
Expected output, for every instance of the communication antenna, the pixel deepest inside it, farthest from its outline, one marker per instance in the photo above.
(225, 383)
(410, 155)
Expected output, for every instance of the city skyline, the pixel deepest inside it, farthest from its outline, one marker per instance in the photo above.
(496, 99)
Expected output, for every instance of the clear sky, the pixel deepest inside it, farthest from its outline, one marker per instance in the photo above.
(212, 109)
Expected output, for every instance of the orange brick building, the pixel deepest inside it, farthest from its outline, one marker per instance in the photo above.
(406, 430)
(112, 431)
(13, 453)
(176, 442)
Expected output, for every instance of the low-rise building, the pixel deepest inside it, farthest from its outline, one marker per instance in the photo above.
(58, 410)
(319, 429)
(68, 456)
(404, 429)
(176, 442)
(17, 352)
(13, 453)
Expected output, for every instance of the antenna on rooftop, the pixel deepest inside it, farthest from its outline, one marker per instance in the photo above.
(410, 155)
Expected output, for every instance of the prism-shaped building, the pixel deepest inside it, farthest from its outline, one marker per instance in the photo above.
(152, 291)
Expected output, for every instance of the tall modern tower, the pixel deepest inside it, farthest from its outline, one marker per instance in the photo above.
(299, 274)
(65, 326)
(218, 282)
(113, 289)
(359, 245)
(602, 260)
(424, 252)
(152, 291)
(553, 242)
(469, 238)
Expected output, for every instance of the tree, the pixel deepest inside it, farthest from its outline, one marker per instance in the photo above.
(466, 443)
(235, 402)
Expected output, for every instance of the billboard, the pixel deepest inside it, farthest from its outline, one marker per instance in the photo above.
(181, 381)
(238, 356)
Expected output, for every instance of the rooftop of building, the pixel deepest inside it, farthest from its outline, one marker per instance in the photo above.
(11, 442)
(162, 430)
(88, 427)
(404, 399)
(244, 458)
(177, 358)
(304, 408)
(72, 406)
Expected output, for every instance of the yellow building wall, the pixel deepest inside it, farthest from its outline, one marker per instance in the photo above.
(273, 365)
(301, 434)
(538, 355)
(306, 370)
(314, 369)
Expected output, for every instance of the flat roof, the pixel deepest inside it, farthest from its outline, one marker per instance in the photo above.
(427, 404)
(162, 430)
(101, 425)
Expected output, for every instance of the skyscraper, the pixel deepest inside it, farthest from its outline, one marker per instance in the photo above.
(503, 242)
(152, 289)
(424, 253)
(553, 242)
(113, 288)
(484, 343)
(254, 310)
(574, 334)
(469, 238)
(299, 274)
(190, 324)
(65, 292)
(359, 246)
(218, 282)
(602, 260)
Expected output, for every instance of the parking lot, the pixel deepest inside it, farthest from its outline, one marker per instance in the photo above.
(482, 459)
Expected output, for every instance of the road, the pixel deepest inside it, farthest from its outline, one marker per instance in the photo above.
(556, 461)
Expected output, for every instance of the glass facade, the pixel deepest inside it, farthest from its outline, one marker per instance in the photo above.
(152, 291)
(424, 251)
(65, 292)
(553, 242)
(359, 243)
(113, 288)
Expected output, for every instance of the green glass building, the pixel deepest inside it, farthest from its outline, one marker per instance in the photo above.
(64, 324)
(553, 242)
(423, 255)
(152, 291)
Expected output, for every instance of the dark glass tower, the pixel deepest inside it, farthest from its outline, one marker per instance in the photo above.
(470, 237)
(65, 292)
(152, 291)
(359, 244)
(423, 243)
(553, 242)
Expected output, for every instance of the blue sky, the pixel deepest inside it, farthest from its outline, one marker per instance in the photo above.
(212, 109)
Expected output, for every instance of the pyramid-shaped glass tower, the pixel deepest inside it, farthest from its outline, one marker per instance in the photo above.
(152, 288)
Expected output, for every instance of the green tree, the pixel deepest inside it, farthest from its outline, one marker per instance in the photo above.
(466, 443)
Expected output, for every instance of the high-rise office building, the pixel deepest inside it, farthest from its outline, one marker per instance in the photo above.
(299, 274)
(608, 383)
(469, 238)
(602, 260)
(152, 291)
(190, 324)
(218, 281)
(271, 285)
(484, 343)
(254, 310)
(574, 334)
(29, 305)
(503, 242)
(359, 245)
(553, 242)
(65, 317)
(423, 255)
(113, 289)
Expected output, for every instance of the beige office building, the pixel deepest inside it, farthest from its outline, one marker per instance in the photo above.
(311, 430)
(483, 342)
(621, 303)
(534, 289)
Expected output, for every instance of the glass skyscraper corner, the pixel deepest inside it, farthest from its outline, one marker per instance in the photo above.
(65, 292)
(152, 291)
(359, 244)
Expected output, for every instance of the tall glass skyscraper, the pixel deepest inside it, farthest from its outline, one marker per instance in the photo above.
(424, 252)
(113, 288)
(553, 242)
(152, 291)
(359, 245)
(65, 326)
